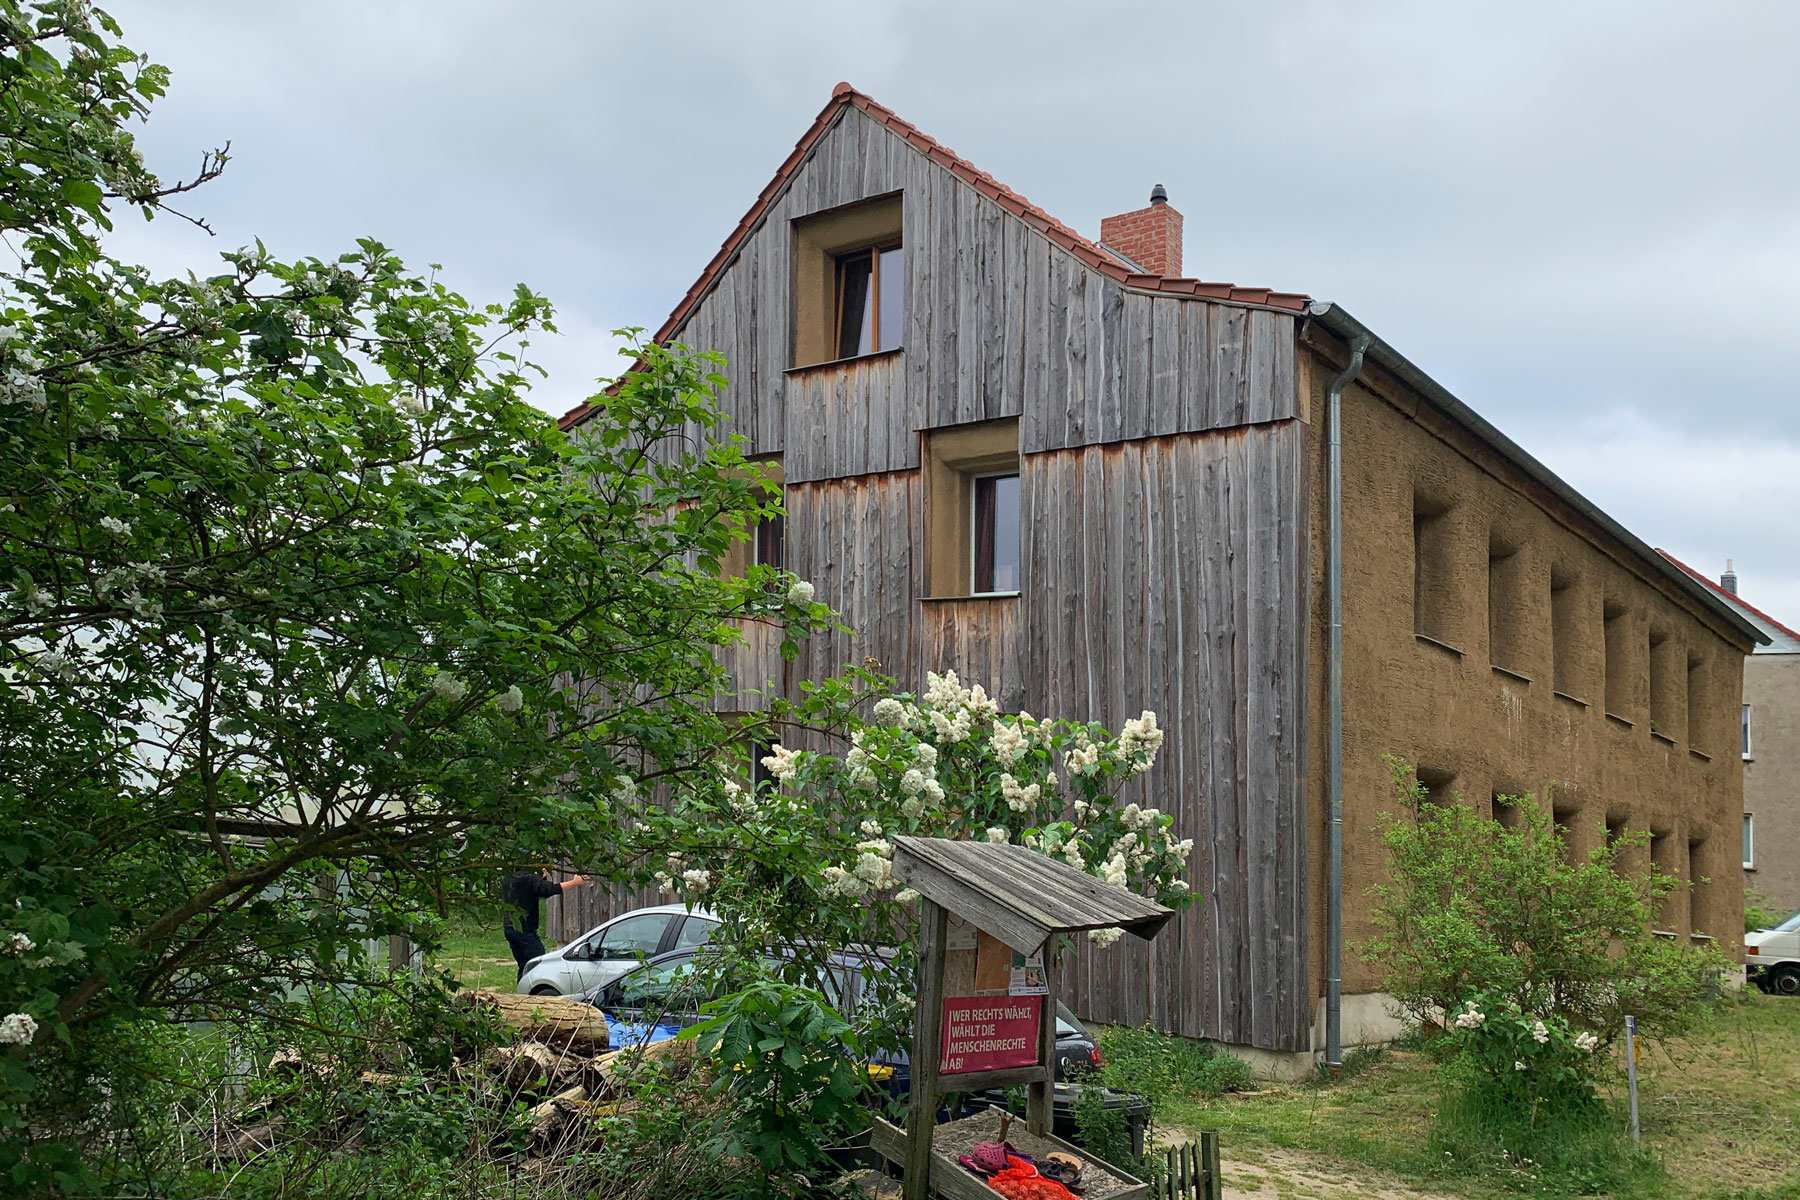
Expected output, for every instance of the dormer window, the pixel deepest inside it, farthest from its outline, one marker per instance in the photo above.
(870, 303)
(849, 282)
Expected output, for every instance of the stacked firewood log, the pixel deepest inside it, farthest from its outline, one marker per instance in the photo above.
(559, 1060)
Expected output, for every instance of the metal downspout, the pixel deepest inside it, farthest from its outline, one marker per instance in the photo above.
(1334, 693)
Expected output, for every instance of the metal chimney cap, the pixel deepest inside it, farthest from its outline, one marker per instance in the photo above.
(1159, 195)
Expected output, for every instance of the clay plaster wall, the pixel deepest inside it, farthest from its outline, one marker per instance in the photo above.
(1475, 727)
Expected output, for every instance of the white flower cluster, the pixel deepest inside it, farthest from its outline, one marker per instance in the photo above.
(952, 712)
(1587, 1043)
(20, 943)
(1019, 798)
(625, 789)
(449, 686)
(1518, 1064)
(511, 700)
(115, 526)
(18, 1029)
(781, 763)
(997, 835)
(889, 712)
(873, 870)
(1540, 1033)
(1105, 937)
(20, 386)
(1471, 1018)
(31, 598)
(801, 592)
(1084, 759)
(678, 876)
(1139, 741)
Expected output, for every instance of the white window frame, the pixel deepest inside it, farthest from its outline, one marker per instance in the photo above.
(975, 515)
(1749, 841)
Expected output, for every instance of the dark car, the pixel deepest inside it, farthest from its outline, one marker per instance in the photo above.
(664, 996)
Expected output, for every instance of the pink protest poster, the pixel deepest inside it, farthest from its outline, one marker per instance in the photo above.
(987, 1033)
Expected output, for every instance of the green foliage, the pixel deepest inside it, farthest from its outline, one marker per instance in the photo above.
(1756, 916)
(1162, 1067)
(294, 586)
(1478, 909)
(1556, 1139)
(790, 1065)
(1106, 1133)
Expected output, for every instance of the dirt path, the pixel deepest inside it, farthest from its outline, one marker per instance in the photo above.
(1270, 1174)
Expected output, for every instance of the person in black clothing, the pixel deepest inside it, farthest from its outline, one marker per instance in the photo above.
(523, 890)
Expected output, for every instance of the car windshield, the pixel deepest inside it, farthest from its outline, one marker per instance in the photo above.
(1066, 1022)
(1789, 925)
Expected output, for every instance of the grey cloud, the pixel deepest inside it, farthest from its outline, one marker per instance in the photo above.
(1564, 212)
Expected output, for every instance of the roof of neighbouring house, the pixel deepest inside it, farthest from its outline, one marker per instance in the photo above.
(1777, 632)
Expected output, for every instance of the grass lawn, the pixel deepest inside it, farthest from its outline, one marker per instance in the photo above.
(477, 955)
(1720, 1112)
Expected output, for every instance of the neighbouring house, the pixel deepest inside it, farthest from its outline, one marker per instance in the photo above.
(1770, 728)
(1095, 485)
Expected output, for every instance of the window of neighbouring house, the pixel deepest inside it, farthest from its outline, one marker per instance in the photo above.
(973, 506)
(1745, 718)
(870, 300)
(1749, 842)
(849, 282)
(995, 537)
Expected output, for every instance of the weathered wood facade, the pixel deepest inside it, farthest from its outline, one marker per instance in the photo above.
(1164, 508)
(1171, 513)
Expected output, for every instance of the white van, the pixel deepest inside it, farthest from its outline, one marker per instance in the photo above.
(1772, 958)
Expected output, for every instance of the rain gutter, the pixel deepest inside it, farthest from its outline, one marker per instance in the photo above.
(1334, 693)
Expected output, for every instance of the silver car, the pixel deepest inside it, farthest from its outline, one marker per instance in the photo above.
(607, 951)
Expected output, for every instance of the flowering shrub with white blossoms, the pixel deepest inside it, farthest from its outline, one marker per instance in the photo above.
(1529, 1059)
(800, 864)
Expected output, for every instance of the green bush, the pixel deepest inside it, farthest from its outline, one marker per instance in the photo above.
(1161, 1066)
(1477, 908)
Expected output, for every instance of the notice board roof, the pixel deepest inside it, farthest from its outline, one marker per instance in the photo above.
(1018, 895)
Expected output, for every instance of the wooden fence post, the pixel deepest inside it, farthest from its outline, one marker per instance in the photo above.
(1213, 1184)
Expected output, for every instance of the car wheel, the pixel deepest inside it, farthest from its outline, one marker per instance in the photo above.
(544, 989)
(1785, 980)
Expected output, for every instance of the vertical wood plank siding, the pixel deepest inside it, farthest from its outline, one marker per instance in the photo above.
(996, 313)
(1164, 544)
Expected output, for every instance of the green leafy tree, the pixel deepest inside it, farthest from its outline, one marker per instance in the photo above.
(309, 620)
(1477, 911)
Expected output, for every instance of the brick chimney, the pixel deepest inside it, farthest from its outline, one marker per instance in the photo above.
(1149, 237)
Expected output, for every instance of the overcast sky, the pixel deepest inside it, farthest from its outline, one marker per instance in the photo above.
(1583, 219)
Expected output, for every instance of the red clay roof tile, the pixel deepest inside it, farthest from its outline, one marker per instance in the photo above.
(1731, 598)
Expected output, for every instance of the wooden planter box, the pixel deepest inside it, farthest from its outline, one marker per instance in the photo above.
(951, 1180)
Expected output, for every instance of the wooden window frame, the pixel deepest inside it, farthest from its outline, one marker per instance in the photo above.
(974, 489)
(873, 253)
